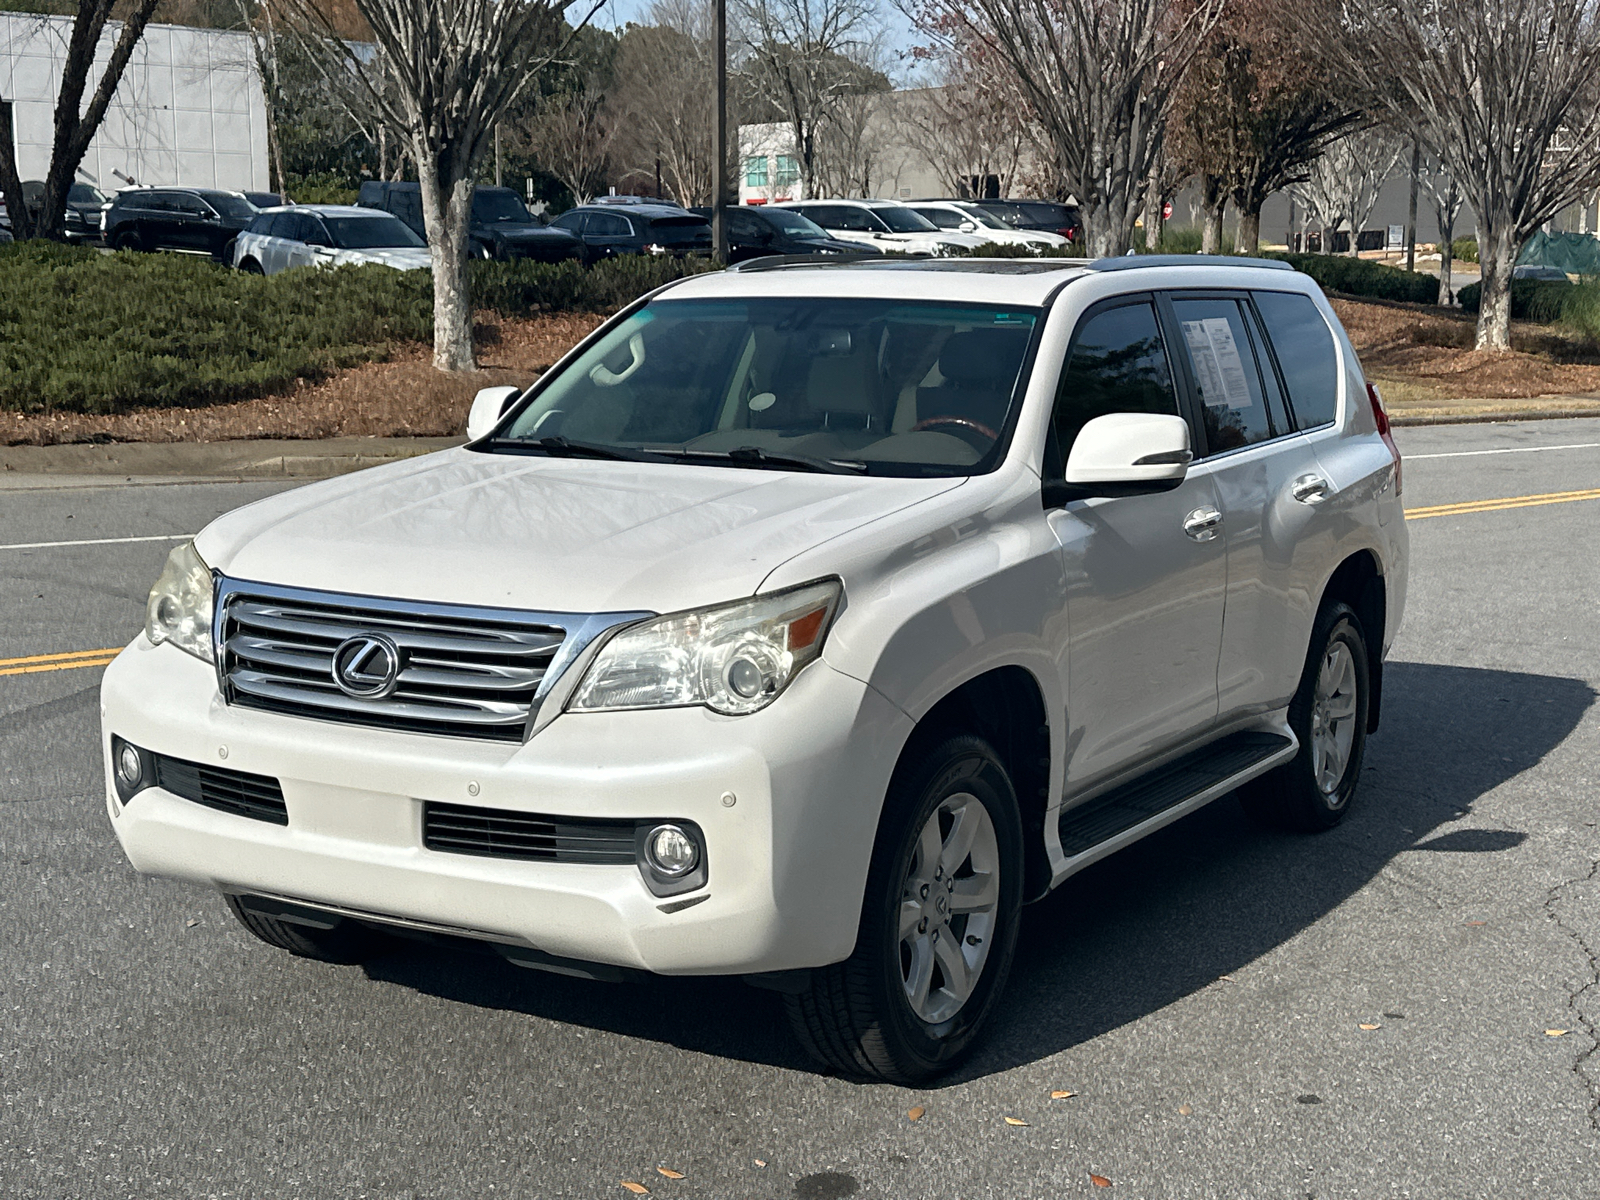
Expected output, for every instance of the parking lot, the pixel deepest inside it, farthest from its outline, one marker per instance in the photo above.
(1403, 1007)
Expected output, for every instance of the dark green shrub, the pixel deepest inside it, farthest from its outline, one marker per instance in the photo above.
(1465, 249)
(519, 288)
(321, 187)
(1531, 299)
(91, 332)
(1358, 277)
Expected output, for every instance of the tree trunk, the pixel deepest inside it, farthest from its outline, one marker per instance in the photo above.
(1446, 221)
(447, 216)
(1497, 254)
(1213, 201)
(10, 184)
(1153, 219)
(1249, 232)
(1353, 249)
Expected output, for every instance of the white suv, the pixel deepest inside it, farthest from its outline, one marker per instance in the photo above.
(886, 224)
(801, 624)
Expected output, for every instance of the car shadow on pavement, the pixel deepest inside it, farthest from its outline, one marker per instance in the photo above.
(1146, 927)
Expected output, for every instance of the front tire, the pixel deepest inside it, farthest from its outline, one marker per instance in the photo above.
(938, 924)
(345, 942)
(1313, 791)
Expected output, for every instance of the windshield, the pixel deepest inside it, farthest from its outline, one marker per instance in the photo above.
(84, 193)
(906, 388)
(987, 220)
(792, 222)
(229, 205)
(494, 208)
(371, 233)
(903, 220)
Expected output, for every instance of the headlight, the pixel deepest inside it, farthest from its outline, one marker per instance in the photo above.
(179, 608)
(734, 658)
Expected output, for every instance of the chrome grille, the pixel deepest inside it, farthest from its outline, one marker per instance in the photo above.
(464, 672)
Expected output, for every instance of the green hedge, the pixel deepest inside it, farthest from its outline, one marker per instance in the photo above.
(1465, 249)
(1531, 299)
(83, 331)
(1358, 277)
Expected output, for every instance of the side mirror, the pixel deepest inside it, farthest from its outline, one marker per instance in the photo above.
(1124, 454)
(487, 407)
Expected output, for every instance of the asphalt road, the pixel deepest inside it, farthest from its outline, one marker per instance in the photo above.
(1205, 994)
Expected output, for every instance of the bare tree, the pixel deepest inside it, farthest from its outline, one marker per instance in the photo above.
(970, 125)
(572, 135)
(259, 22)
(664, 73)
(1343, 184)
(75, 122)
(1505, 94)
(1099, 77)
(852, 141)
(1439, 184)
(444, 74)
(800, 57)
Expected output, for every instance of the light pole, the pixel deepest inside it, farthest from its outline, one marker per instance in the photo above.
(719, 137)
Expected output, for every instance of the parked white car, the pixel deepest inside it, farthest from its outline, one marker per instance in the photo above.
(800, 624)
(313, 235)
(886, 224)
(957, 216)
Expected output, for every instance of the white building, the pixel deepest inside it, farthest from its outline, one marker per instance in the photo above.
(768, 167)
(189, 109)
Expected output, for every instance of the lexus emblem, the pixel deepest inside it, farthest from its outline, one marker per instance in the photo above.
(367, 666)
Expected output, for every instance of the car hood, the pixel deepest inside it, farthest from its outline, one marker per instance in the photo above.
(401, 258)
(548, 534)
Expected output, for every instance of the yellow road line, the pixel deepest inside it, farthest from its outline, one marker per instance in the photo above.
(64, 654)
(67, 665)
(1478, 506)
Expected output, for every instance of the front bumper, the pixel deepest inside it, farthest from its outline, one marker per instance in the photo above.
(787, 860)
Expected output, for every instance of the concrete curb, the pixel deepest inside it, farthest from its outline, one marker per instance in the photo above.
(1481, 418)
(244, 459)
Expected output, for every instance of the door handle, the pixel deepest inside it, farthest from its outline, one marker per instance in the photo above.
(1310, 489)
(1202, 524)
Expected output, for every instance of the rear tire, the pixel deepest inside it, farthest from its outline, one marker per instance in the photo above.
(1313, 791)
(128, 241)
(906, 1005)
(346, 942)
(251, 267)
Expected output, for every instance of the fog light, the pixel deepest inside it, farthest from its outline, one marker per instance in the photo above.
(671, 851)
(129, 767)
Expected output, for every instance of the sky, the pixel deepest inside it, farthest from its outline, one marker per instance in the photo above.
(900, 35)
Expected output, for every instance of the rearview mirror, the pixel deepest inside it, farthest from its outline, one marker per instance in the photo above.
(1124, 454)
(487, 407)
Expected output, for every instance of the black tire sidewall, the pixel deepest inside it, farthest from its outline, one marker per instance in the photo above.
(960, 764)
(1338, 622)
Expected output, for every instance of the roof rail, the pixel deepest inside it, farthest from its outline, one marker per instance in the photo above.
(784, 262)
(1130, 262)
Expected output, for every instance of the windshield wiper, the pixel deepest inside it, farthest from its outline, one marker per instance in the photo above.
(757, 457)
(561, 447)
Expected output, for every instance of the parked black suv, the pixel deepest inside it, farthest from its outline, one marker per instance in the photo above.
(501, 227)
(81, 222)
(1048, 215)
(612, 230)
(195, 220)
(755, 231)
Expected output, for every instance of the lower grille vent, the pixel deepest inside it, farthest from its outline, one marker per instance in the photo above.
(501, 833)
(256, 796)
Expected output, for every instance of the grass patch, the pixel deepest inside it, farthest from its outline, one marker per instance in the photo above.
(86, 332)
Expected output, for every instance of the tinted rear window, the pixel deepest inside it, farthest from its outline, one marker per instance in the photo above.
(672, 230)
(1305, 353)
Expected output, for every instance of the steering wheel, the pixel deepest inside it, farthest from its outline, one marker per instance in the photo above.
(964, 422)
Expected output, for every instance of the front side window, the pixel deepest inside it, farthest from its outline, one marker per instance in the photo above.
(1118, 365)
(570, 221)
(902, 219)
(755, 171)
(231, 206)
(1305, 353)
(371, 233)
(1223, 367)
(942, 217)
(873, 386)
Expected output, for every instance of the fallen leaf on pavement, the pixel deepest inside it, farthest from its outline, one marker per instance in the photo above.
(1099, 1180)
(1226, 978)
(1062, 1095)
(1364, 1025)
(761, 1162)
(191, 923)
(915, 1114)
(670, 1173)
(1555, 1033)
(638, 1189)
(1015, 1121)
(1184, 1109)
(1477, 922)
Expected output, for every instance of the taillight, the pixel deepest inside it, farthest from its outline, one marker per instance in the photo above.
(1381, 415)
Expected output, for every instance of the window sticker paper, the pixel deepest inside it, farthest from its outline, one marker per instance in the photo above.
(1217, 365)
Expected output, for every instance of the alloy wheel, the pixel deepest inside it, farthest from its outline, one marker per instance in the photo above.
(1333, 717)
